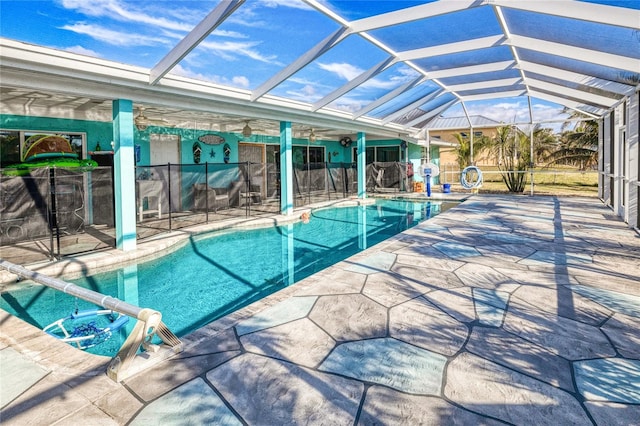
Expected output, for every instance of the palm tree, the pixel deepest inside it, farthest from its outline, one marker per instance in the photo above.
(578, 147)
(463, 150)
(512, 149)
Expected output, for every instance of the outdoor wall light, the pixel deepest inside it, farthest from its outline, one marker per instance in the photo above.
(312, 137)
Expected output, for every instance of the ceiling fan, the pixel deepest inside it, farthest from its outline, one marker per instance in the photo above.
(142, 121)
(246, 130)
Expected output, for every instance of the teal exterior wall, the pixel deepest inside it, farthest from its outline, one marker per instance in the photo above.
(96, 131)
(102, 132)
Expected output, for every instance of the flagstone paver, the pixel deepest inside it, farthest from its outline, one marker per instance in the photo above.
(611, 379)
(350, 317)
(384, 406)
(505, 309)
(421, 324)
(192, 403)
(389, 362)
(265, 391)
(19, 373)
(622, 330)
(486, 387)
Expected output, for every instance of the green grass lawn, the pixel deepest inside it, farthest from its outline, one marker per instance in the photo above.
(546, 182)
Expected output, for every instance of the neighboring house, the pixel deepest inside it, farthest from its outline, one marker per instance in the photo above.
(443, 130)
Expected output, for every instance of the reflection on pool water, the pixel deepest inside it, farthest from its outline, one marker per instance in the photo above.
(220, 272)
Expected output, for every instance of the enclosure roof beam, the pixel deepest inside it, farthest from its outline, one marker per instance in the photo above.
(609, 15)
(450, 48)
(577, 53)
(588, 98)
(494, 95)
(412, 14)
(295, 66)
(193, 39)
(389, 96)
(362, 78)
(574, 105)
(423, 119)
(577, 78)
(413, 105)
(489, 84)
(472, 69)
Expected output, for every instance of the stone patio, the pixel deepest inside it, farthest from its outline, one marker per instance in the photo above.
(503, 310)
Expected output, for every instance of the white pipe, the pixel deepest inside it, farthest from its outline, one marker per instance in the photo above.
(100, 299)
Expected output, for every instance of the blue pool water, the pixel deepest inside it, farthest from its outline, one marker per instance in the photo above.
(220, 272)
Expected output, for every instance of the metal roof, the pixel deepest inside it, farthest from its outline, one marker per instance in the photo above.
(394, 65)
(475, 121)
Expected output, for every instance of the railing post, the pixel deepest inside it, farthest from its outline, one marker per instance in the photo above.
(50, 208)
(169, 193)
(206, 198)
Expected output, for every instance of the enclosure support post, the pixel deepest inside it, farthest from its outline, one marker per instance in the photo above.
(286, 168)
(532, 162)
(124, 175)
(362, 166)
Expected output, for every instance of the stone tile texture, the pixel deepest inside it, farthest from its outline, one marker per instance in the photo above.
(503, 310)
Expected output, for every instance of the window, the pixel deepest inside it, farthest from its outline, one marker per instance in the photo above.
(12, 144)
(308, 154)
(9, 148)
(380, 154)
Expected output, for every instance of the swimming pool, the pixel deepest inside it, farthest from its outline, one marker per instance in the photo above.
(220, 272)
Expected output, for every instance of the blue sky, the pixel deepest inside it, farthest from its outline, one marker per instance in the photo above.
(243, 52)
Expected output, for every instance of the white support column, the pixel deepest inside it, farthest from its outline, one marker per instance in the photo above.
(124, 175)
(633, 149)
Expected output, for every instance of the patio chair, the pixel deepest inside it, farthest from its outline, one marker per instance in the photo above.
(254, 196)
(214, 198)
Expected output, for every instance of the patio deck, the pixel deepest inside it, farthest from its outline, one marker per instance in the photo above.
(505, 309)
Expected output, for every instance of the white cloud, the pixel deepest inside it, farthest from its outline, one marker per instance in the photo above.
(306, 94)
(116, 38)
(345, 71)
(126, 12)
(293, 4)
(240, 81)
(348, 104)
(82, 51)
(230, 50)
(235, 81)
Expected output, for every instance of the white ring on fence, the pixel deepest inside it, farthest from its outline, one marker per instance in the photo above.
(470, 185)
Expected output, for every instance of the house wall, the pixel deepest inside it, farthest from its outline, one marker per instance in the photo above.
(102, 132)
(448, 155)
(619, 160)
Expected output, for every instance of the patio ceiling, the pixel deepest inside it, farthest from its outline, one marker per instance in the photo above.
(388, 68)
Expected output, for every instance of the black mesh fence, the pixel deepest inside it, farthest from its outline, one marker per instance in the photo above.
(388, 177)
(316, 182)
(175, 196)
(24, 206)
(48, 213)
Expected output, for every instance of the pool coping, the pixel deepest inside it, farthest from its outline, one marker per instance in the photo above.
(152, 248)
